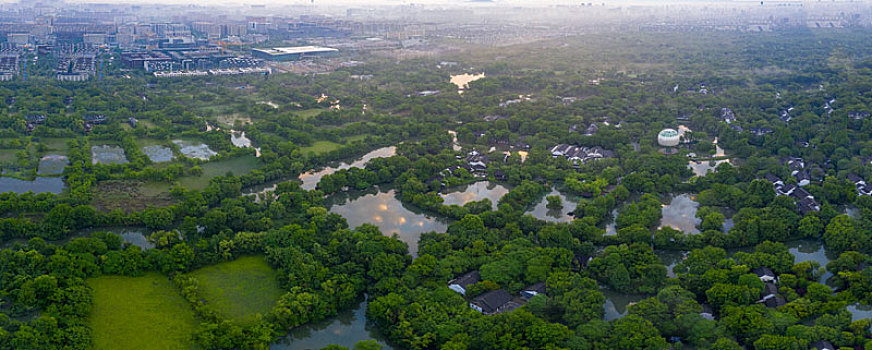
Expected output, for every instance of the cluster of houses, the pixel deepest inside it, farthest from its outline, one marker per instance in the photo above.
(94, 119)
(769, 296)
(495, 301)
(859, 115)
(589, 131)
(784, 115)
(727, 115)
(583, 154)
(799, 170)
(862, 188)
(34, 120)
(804, 200)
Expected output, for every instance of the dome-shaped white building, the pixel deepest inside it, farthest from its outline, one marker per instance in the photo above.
(668, 138)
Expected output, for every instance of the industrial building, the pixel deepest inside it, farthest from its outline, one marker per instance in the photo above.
(294, 53)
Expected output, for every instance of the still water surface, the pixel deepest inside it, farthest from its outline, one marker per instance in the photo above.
(382, 208)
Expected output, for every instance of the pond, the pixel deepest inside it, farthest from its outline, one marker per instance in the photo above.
(133, 235)
(158, 153)
(238, 139)
(346, 329)
(616, 303)
(670, 258)
(382, 208)
(39, 185)
(52, 164)
(474, 192)
(859, 311)
(194, 149)
(700, 168)
(107, 154)
(311, 178)
(454, 145)
(541, 211)
(462, 80)
(680, 214)
(810, 250)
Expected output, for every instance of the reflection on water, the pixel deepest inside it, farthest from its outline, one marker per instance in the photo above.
(133, 235)
(611, 228)
(616, 303)
(383, 209)
(810, 250)
(39, 185)
(462, 80)
(311, 178)
(680, 214)
(700, 168)
(346, 329)
(158, 153)
(106, 154)
(52, 164)
(239, 139)
(475, 192)
(670, 258)
(541, 211)
(859, 311)
(454, 145)
(193, 149)
(728, 224)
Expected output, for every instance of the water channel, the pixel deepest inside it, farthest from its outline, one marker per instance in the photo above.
(346, 329)
(41, 184)
(311, 178)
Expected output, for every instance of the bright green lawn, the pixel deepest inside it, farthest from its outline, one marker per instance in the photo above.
(309, 113)
(240, 289)
(238, 166)
(319, 147)
(140, 313)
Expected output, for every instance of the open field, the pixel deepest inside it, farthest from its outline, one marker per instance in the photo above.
(140, 313)
(130, 195)
(309, 113)
(240, 289)
(238, 166)
(319, 147)
(55, 145)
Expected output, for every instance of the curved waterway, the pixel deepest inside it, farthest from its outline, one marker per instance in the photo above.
(346, 329)
(311, 178)
(382, 208)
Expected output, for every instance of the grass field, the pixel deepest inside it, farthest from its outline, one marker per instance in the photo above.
(140, 313)
(319, 147)
(8, 156)
(240, 289)
(238, 166)
(309, 113)
(56, 145)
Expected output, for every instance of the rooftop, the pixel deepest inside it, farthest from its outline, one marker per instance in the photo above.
(296, 50)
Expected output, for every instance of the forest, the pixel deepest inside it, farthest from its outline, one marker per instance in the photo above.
(213, 220)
